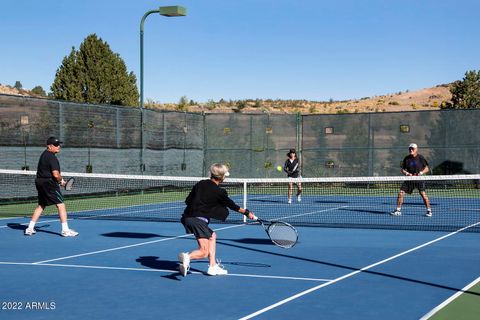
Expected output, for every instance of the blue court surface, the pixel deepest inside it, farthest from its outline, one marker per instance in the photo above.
(128, 270)
(123, 268)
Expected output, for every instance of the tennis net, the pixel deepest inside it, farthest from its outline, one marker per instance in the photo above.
(353, 202)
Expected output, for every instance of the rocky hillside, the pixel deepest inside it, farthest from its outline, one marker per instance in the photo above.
(5, 89)
(425, 99)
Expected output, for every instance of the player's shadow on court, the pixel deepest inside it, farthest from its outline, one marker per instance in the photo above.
(238, 263)
(410, 204)
(383, 213)
(367, 211)
(132, 235)
(250, 241)
(38, 228)
(331, 201)
(266, 201)
(152, 262)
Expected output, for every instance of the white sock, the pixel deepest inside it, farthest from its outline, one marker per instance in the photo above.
(64, 226)
(429, 209)
(31, 225)
(399, 209)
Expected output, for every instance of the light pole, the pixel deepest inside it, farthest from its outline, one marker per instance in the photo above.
(25, 130)
(170, 11)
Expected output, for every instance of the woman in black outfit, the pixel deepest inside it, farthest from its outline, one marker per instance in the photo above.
(207, 201)
(292, 168)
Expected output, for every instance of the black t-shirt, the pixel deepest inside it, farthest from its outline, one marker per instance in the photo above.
(292, 168)
(47, 163)
(413, 164)
(208, 200)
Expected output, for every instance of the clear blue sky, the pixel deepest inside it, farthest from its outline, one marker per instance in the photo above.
(240, 49)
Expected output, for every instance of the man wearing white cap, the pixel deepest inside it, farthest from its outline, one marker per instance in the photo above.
(206, 201)
(413, 165)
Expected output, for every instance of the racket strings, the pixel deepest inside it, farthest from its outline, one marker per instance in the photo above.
(69, 184)
(282, 234)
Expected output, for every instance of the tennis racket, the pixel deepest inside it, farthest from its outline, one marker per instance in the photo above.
(280, 233)
(69, 184)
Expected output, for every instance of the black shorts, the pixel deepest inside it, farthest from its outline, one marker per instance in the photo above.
(48, 192)
(197, 226)
(408, 186)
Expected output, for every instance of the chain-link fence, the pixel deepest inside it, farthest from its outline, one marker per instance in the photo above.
(107, 139)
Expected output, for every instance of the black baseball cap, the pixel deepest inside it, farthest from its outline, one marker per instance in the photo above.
(54, 141)
(291, 151)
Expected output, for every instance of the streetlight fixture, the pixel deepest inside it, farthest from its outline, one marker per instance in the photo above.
(169, 11)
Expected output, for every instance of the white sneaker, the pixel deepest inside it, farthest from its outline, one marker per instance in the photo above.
(69, 233)
(184, 266)
(299, 198)
(30, 232)
(428, 213)
(217, 270)
(396, 213)
(289, 201)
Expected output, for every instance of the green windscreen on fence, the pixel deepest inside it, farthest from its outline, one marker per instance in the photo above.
(107, 139)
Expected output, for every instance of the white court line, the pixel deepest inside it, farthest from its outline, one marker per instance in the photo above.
(123, 213)
(453, 297)
(300, 294)
(159, 270)
(159, 240)
(81, 266)
(277, 277)
(126, 247)
(12, 218)
(305, 214)
(99, 215)
(313, 212)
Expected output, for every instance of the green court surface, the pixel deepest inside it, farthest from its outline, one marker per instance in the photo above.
(22, 208)
(464, 307)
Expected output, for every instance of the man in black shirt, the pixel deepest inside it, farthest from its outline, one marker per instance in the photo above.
(413, 165)
(48, 183)
(207, 201)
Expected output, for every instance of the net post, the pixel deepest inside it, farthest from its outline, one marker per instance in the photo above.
(244, 199)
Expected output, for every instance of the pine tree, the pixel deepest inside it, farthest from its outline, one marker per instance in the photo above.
(38, 90)
(67, 83)
(95, 74)
(18, 85)
(466, 93)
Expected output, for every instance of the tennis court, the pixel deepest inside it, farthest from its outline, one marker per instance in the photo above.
(124, 263)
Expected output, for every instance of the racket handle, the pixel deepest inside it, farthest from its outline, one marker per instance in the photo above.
(247, 214)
